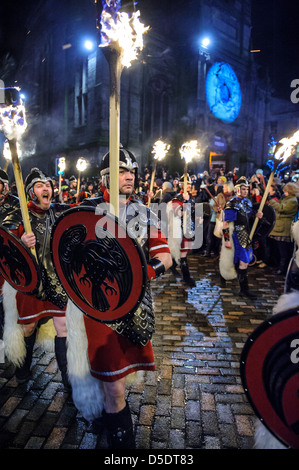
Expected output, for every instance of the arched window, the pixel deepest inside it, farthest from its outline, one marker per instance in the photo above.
(157, 107)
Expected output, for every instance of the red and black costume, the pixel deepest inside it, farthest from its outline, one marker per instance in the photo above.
(118, 349)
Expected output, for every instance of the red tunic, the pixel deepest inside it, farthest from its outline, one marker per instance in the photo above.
(111, 355)
(31, 309)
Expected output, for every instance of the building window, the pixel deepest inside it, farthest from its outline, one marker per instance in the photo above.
(158, 108)
(81, 95)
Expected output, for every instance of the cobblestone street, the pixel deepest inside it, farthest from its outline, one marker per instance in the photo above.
(194, 399)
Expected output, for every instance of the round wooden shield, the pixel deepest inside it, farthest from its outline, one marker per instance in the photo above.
(266, 224)
(17, 264)
(99, 263)
(270, 375)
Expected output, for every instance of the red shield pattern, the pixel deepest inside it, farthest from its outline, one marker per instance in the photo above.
(101, 267)
(17, 264)
(270, 375)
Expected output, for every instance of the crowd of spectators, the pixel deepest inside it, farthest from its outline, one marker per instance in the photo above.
(213, 190)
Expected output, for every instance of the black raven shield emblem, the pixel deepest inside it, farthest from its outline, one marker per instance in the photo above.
(270, 375)
(17, 264)
(101, 267)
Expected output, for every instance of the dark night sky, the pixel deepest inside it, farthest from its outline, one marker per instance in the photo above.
(275, 32)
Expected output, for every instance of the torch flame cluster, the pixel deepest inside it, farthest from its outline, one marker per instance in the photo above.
(81, 164)
(122, 31)
(286, 147)
(61, 165)
(13, 121)
(160, 150)
(189, 150)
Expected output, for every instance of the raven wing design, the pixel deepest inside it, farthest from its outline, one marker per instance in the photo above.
(14, 264)
(101, 265)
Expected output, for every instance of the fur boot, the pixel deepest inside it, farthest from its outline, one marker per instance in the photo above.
(23, 372)
(87, 393)
(174, 237)
(226, 260)
(13, 336)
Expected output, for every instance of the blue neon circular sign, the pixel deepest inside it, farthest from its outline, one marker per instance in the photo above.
(223, 92)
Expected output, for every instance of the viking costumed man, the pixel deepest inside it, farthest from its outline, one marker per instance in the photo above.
(72, 192)
(8, 203)
(118, 348)
(51, 299)
(180, 243)
(237, 213)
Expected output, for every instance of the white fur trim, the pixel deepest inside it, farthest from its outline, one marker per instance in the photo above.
(295, 235)
(226, 260)
(264, 439)
(286, 302)
(13, 336)
(87, 391)
(174, 233)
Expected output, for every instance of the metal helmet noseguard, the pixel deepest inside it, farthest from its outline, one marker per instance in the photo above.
(127, 160)
(34, 176)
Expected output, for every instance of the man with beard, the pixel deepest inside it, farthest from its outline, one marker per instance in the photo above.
(50, 300)
(125, 345)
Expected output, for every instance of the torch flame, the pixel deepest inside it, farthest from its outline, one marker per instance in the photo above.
(160, 150)
(189, 150)
(7, 152)
(81, 164)
(13, 120)
(286, 147)
(122, 31)
(61, 165)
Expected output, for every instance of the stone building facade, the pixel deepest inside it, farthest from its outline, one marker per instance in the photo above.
(163, 93)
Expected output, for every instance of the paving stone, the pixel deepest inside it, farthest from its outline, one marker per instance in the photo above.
(193, 400)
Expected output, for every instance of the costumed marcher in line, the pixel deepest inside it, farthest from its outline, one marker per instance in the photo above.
(8, 203)
(218, 204)
(117, 349)
(285, 209)
(238, 212)
(72, 191)
(180, 243)
(24, 313)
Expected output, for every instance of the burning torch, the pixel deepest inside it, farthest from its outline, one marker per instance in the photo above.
(121, 38)
(282, 152)
(13, 124)
(188, 151)
(81, 166)
(7, 153)
(61, 170)
(160, 150)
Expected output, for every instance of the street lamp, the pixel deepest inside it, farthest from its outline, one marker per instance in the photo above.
(88, 44)
(205, 42)
(204, 57)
